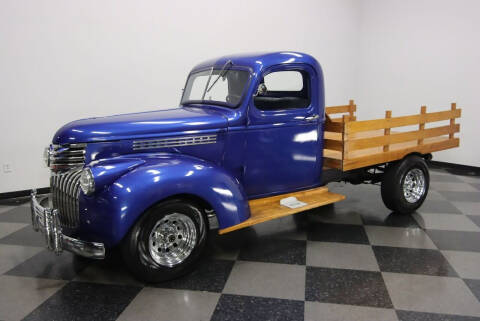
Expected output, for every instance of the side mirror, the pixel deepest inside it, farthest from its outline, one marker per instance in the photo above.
(261, 90)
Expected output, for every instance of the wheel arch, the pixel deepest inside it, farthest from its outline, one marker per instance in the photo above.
(211, 220)
(427, 157)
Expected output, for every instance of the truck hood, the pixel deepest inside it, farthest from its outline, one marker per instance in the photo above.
(182, 120)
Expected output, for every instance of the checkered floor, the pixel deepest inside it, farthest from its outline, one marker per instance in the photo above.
(351, 261)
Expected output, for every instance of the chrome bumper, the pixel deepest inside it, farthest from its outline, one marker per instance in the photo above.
(46, 221)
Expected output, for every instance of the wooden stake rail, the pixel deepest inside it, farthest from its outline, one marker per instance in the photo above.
(351, 144)
(350, 109)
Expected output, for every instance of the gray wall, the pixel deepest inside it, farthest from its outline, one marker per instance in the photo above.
(415, 53)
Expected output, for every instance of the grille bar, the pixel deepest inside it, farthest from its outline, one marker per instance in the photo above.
(65, 188)
(65, 157)
(174, 142)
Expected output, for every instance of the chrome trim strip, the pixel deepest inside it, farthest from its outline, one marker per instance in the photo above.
(91, 250)
(70, 152)
(174, 142)
(68, 165)
(76, 145)
(70, 158)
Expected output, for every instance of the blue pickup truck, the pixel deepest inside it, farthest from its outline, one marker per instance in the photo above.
(246, 145)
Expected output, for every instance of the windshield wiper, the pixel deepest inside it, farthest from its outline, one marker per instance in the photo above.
(222, 73)
(206, 85)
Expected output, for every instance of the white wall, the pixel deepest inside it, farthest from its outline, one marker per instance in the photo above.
(64, 60)
(415, 53)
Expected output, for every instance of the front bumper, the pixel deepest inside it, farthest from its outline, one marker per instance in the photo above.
(46, 220)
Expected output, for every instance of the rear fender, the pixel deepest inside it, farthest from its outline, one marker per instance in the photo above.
(110, 213)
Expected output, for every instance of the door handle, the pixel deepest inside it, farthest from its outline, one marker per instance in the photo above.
(311, 118)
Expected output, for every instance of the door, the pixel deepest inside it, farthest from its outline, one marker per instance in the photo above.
(283, 147)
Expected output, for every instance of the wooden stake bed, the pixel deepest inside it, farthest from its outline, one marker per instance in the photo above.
(351, 144)
(269, 208)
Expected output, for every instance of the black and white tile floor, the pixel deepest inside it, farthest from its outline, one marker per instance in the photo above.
(351, 261)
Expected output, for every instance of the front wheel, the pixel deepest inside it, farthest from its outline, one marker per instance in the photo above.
(405, 185)
(166, 242)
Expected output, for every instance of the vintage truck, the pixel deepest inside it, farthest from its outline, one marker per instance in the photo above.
(250, 142)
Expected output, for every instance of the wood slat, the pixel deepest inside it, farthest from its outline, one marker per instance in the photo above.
(421, 126)
(386, 131)
(367, 125)
(333, 144)
(269, 208)
(375, 150)
(398, 153)
(333, 126)
(332, 163)
(351, 108)
(452, 120)
(340, 119)
(395, 138)
(337, 109)
(332, 135)
(345, 137)
(329, 153)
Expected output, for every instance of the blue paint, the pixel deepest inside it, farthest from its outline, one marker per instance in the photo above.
(185, 120)
(107, 215)
(257, 152)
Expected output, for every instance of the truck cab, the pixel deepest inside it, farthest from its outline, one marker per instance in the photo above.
(274, 107)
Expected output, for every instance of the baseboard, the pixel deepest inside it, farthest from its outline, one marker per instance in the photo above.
(23, 193)
(457, 169)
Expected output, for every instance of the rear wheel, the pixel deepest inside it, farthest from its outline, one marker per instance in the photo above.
(405, 185)
(166, 242)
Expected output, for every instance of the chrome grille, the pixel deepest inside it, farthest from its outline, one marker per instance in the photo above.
(65, 188)
(174, 142)
(65, 157)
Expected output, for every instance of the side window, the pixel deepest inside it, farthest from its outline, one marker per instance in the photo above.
(284, 81)
(283, 90)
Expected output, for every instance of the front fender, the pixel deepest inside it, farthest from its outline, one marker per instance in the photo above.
(108, 214)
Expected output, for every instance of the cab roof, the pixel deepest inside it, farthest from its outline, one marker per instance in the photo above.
(260, 61)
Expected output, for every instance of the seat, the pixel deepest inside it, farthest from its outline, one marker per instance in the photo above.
(274, 103)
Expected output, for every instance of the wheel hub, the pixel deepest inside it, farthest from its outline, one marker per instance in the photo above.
(172, 239)
(414, 185)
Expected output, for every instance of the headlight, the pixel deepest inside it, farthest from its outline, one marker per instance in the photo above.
(46, 156)
(87, 184)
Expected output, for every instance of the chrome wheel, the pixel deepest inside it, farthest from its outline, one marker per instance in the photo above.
(414, 185)
(172, 239)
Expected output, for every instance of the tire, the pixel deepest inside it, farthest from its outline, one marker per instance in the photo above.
(402, 188)
(150, 254)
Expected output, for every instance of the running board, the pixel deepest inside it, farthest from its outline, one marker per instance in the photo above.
(269, 208)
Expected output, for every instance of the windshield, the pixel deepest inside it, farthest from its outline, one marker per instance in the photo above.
(226, 91)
